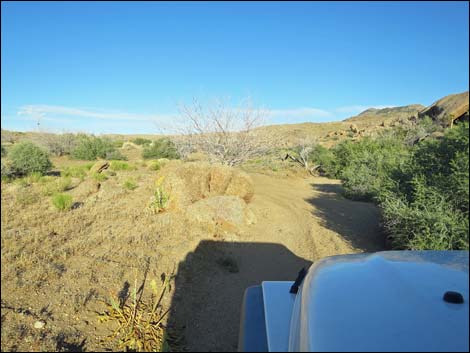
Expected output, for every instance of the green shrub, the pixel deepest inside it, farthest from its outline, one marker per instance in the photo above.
(27, 158)
(325, 158)
(130, 184)
(161, 148)
(154, 165)
(4, 151)
(118, 165)
(62, 202)
(90, 147)
(142, 141)
(428, 222)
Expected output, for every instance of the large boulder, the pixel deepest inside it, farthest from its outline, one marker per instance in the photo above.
(226, 213)
(189, 182)
(99, 166)
(448, 109)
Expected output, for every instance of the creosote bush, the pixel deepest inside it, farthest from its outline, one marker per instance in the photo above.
(28, 158)
(90, 147)
(161, 148)
(422, 188)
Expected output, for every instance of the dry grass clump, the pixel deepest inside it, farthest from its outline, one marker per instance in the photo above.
(56, 185)
(139, 323)
(130, 184)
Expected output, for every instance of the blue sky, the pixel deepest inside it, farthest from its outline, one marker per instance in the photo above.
(123, 67)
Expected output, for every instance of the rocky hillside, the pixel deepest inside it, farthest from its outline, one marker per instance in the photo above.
(447, 110)
(374, 114)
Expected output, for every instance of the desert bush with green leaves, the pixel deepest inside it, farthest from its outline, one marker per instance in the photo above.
(161, 148)
(90, 147)
(27, 158)
(421, 187)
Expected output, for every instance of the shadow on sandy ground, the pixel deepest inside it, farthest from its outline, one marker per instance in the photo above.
(356, 221)
(209, 288)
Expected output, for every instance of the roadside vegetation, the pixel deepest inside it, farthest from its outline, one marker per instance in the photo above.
(421, 184)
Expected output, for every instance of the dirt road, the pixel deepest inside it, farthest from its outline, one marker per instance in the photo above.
(298, 221)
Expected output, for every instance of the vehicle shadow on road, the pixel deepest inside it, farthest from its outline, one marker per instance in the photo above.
(357, 222)
(209, 288)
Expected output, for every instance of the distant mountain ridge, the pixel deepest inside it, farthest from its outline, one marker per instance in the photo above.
(388, 113)
(444, 111)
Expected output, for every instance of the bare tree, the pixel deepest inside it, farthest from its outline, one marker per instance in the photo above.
(226, 135)
(301, 154)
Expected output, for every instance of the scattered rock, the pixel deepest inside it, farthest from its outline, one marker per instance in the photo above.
(39, 324)
(99, 166)
(241, 185)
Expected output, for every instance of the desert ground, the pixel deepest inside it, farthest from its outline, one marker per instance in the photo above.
(60, 268)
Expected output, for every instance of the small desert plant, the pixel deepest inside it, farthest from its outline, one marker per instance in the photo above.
(27, 158)
(160, 198)
(154, 165)
(139, 324)
(4, 151)
(99, 176)
(62, 202)
(130, 184)
(118, 165)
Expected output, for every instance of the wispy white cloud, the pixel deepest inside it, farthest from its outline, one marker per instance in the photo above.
(300, 113)
(45, 111)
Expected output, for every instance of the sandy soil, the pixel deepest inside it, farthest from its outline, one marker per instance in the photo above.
(56, 267)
